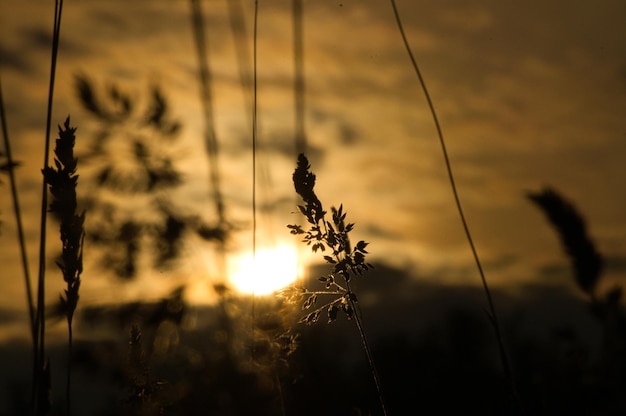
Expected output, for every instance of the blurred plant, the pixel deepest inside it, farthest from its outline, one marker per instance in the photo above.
(146, 171)
(347, 262)
(182, 368)
(588, 266)
(8, 166)
(143, 387)
(570, 225)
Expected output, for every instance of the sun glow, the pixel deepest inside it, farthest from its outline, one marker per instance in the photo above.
(267, 271)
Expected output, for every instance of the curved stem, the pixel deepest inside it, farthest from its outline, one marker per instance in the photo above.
(368, 351)
(18, 216)
(492, 310)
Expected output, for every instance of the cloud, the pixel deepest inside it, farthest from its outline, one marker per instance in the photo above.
(526, 95)
(14, 60)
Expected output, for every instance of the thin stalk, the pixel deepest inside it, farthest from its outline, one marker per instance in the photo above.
(40, 407)
(68, 381)
(357, 320)
(346, 262)
(298, 56)
(283, 410)
(492, 310)
(238, 26)
(254, 150)
(210, 137)
(62, 180)
(18, 216)
(368, 351)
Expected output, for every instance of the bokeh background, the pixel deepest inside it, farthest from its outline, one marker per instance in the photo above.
(529, 95)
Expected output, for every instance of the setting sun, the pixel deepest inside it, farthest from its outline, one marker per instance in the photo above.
(267, 271)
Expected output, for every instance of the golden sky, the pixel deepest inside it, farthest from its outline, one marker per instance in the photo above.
(528, 93)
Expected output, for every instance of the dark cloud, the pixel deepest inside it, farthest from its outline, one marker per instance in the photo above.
(394, 301)
(9, 316)
(375, 230)
(616, 263)
(346, 133)
(274, 143)
(37, 38)
(14, 60)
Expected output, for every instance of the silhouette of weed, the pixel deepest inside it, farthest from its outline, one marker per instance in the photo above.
(347, 262)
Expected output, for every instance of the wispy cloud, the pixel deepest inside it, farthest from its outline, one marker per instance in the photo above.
(528, 95)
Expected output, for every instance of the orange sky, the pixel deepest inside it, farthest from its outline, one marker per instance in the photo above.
(528, 94)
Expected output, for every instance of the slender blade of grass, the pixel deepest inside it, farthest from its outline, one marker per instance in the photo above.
(298, 87)
(18, 215)
(492, 310)
(200, 40)
(39, 370)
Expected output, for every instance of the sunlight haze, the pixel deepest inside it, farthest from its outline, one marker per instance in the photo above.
(266, 271)
(528, 94)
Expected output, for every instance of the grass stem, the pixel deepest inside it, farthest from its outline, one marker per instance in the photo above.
(492, 310)
(39, 383)
(368, 351)
(11, 164)
(254, 154)
(68, 380)
(298, 56)
(210, 137)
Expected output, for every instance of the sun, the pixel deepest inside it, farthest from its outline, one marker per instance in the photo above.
(267, 271)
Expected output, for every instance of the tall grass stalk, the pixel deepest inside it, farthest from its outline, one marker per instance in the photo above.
(493, 317)
(62, 180)
(240, 36)
(255, 28)
(366, 347)
(210, 137)
(41, 375)
(11, 164)
(298, 87)
(347, 262)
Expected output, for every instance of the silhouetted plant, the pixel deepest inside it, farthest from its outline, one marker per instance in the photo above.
(491, 313)
(146, 169)
(323, 234)
(570, 225)
(41, 391)
(62, 180)
(588, 266)
(347, 262)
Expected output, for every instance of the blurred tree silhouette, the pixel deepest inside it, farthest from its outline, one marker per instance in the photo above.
(134, 172)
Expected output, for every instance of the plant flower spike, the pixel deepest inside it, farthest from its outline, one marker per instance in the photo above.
(347, 262)
(62, 180)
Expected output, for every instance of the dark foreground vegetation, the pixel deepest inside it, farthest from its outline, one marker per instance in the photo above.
(437, 358)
